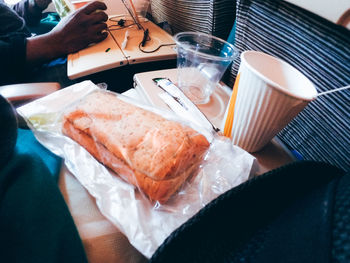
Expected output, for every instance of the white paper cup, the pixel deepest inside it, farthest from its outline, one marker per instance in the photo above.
(267, 95)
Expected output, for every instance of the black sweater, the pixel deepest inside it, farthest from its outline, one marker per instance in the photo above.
(13, 34)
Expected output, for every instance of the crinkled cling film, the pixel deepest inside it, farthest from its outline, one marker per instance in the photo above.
(63, 7)
(148, 169)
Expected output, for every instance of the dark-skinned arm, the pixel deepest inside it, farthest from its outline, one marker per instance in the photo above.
(74, 32)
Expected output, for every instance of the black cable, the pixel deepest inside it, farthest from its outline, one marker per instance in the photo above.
(118, 20)
(145, 37)
(121, 23)
(154, 50)
(119, 27)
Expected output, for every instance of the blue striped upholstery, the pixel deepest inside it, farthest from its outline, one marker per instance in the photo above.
(214, 17)
(321, 51)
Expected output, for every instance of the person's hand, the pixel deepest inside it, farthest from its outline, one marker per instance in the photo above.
(73, 33)
(81, 28)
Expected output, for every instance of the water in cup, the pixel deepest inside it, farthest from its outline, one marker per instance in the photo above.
(201, 61)
(197, 83)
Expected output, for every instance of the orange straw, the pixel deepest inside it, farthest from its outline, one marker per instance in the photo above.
(231, 109)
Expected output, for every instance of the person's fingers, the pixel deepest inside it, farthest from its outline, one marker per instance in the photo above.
(96, 30)
(98, 27)
(98, 17)
(98, 37)
(101, 36)
(93, 6)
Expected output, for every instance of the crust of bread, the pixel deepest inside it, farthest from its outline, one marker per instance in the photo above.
(154, 154)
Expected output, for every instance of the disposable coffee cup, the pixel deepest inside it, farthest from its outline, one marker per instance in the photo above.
(268, 93)
(202, 60)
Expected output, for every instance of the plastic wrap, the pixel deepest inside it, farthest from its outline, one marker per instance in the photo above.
(63, 7)
(153, 153)
(145, 222)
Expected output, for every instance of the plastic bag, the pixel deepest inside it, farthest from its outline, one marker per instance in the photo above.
(145, 223)
(153, 153)
(63, 7)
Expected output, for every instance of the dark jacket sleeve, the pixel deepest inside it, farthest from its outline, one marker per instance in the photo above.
(13, 35)
(32, 16)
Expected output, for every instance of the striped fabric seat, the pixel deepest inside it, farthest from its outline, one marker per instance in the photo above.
(321, 51)
(208, 16)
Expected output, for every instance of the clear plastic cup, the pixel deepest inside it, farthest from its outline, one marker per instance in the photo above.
(141, 7)
(202, 60)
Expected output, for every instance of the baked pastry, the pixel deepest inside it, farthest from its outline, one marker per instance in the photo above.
(155, 154)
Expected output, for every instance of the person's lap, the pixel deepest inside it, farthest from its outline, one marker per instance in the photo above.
(35, 223)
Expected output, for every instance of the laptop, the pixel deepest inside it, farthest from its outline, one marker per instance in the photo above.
(122, 47)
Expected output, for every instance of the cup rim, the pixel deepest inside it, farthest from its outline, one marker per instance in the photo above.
(208, 56)
(273, 83)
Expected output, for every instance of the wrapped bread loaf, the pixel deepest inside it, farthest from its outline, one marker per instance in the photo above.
(155, 154)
